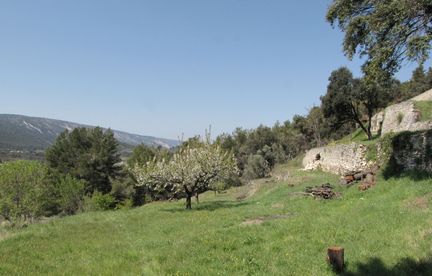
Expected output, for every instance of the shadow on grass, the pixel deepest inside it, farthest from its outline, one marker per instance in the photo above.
(208, 206)
(406, 266)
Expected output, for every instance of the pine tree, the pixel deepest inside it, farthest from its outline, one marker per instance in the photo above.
(87, 154)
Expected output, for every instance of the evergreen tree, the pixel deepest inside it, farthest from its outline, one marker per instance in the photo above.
(87, 154)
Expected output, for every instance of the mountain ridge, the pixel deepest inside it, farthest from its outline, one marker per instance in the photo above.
(27, 133)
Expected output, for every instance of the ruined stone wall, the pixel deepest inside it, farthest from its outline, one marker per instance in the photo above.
(412, 151)
(406, 151)
(338, 159)
(401, 117)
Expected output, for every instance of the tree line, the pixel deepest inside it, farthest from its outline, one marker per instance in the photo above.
(348, 104)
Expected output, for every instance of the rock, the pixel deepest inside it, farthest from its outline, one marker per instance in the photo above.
(358, 176)
(343, 181)
(364, 186)
(370, 178)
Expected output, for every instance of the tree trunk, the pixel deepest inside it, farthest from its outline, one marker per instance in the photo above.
(197, 198)
(336, 258)
(189, 202)
(358, 121)
(364, 129)
(369, 133)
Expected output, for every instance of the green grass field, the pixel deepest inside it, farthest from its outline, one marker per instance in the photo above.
(386, 230)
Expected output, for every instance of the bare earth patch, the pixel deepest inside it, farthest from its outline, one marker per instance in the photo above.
(420, 202)
(257, 221)
(277, 206)
(250, 190)
(261, 220)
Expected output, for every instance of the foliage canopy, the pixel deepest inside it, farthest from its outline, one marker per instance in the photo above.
(386, 32)
(87, 154)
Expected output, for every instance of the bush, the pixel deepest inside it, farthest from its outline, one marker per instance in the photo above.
(98, 202)
(219, 186)
(24, 191)
(71, 192)
(122, 189)
(256, 167)
(125, 204)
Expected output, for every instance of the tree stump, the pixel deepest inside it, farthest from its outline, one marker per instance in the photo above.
(336, 258)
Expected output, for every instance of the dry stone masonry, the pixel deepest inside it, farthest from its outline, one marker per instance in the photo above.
(339, 159)
(411, 150)
(401, 117)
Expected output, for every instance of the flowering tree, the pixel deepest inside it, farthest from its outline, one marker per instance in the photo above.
(190, 172)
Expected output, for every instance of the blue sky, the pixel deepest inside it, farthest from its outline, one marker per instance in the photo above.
(164, 68)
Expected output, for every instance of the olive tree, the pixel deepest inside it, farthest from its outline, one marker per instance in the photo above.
(189, 172)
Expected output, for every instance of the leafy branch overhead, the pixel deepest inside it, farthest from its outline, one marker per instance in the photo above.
(387, 32)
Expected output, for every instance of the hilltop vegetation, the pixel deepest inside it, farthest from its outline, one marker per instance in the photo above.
(385, 231)
(23, 137)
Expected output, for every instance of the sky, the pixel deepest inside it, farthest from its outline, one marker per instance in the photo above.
(168, 68)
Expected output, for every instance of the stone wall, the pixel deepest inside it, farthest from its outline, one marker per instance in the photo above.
(401, 117)
(338, 159)
(411, 151)
(406, 151)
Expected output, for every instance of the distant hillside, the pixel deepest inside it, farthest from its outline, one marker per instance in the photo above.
(22, 134)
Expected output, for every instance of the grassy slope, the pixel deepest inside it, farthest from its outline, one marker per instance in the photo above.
(425, 108)
(391, 221)
(358, 136)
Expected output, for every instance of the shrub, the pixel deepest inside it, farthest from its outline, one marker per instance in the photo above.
(24, 191)
(71, 192)
(98, 202)
(122, 189)
(256, 167)
(219, 186)
(125, 204)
